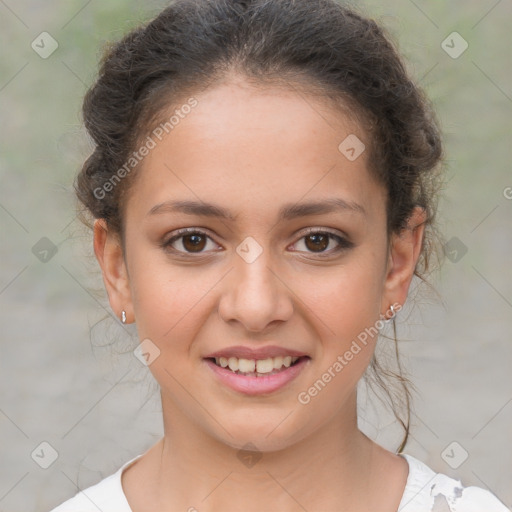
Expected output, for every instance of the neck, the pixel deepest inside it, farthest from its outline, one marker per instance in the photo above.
(330, 467)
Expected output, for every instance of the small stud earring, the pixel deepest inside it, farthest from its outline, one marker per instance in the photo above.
(123, 316)
(392, 308)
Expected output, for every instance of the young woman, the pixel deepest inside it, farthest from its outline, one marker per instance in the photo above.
(264, 189)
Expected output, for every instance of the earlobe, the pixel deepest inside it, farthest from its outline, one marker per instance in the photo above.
(109, 254)
(405, 249)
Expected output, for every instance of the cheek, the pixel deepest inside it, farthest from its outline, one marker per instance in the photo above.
(171, 310)
(172, 301)
(171, 306)
(345, 308)
(168, 299)
(346, 300)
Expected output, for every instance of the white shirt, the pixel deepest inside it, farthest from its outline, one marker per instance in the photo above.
(425, 491)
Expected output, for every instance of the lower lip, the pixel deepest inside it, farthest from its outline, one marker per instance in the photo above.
(257, 385)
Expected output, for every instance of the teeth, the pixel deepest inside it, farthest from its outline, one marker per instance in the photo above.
(246, 365)
(265, 365)
(258, 365)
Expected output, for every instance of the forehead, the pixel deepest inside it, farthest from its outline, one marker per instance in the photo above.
(253, 147)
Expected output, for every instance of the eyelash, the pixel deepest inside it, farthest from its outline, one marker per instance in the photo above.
(344, 244)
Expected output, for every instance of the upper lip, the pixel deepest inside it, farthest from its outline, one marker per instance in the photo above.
(242, 352)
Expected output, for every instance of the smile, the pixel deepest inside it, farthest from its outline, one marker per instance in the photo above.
(256, 367)
(257, 376)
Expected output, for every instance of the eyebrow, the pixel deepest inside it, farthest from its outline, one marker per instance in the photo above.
(287, 211)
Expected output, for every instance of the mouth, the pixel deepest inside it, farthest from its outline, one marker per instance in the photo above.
(256, 376)
(257, 367)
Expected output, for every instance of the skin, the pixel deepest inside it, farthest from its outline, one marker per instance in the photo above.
(251, 150)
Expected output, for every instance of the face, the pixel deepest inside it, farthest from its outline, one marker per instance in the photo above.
(268, 274)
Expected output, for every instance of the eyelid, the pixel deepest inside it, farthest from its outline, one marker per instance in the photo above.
(320, 229)
(166, 243)
(344, 242)
(340, 237)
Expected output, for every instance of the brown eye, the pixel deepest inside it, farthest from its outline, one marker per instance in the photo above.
(187, 241)
(317, 242)
(194, 243)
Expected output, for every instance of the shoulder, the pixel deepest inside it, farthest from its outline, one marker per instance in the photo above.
(428, 491)
(107, 495)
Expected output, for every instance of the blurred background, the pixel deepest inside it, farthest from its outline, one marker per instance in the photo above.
(75, 403)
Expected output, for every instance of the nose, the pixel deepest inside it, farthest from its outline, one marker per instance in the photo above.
(255, 295)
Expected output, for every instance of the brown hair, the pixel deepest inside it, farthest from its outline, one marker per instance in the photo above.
(319, 46)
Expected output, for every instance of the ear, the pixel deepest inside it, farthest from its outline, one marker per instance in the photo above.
(404, 250)
(109, 253)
